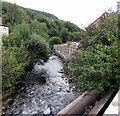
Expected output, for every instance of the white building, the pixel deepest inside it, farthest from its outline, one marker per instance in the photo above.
(4, 30)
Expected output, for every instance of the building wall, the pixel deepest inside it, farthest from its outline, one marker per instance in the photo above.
(4, 30)
(102, 18)
(65, 51)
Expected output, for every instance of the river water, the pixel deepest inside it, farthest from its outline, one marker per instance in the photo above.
(45, 90)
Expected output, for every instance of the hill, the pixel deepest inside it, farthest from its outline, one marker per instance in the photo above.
(40, 22)
(45, 14)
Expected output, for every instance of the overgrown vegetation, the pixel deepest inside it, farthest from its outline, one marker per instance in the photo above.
(96, 63)
(55, 40)
(31, 35)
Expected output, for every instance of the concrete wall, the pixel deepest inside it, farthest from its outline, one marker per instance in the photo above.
(4, 30)
(66, 51)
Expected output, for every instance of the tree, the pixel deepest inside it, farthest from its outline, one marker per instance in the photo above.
(19, 35)
(12, 70)
(40, 28)
(77, 36)
(13, 14)
(41, 18)
(38, 48)
(55, 40)
(71, 27)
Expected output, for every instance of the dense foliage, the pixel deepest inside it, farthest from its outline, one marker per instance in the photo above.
(55, 40)
(96, 65)
(12, 69)
(42, 23)
(38, 48)
(31, 34)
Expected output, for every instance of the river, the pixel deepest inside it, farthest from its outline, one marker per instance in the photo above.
(45, 91)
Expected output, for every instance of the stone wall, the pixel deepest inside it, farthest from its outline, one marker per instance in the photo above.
(66, 51)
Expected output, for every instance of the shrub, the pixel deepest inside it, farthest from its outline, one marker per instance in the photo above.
(37, 47)
(12, 70)
(96, 67)
(55, 40)
(97, 62)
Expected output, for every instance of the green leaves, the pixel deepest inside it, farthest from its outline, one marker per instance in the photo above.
(96, 64)
(12, 70)
(19, 35)
(55, 40)
(37, 47)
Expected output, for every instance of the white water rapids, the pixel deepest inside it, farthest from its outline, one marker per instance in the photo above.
(48, 98)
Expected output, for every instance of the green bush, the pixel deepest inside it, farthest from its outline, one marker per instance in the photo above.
(96, 68)
(97, 63)
(37, 47)
(20, 34)
(12, 70)
(55, 40)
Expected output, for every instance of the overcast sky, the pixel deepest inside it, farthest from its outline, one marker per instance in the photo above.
(79, 12)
